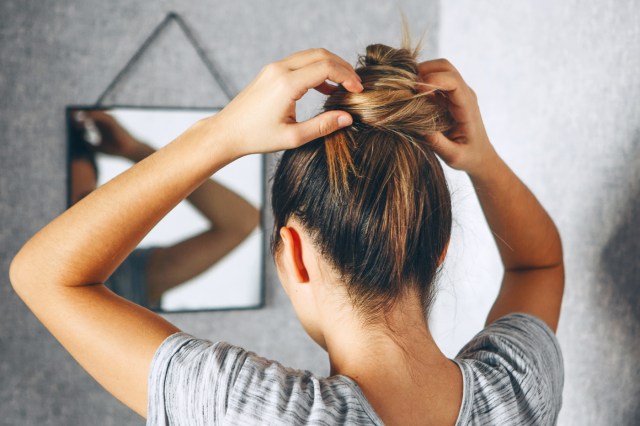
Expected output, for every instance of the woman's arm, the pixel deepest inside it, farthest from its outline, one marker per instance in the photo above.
(58, 273)
(528, 242)
(527, 239)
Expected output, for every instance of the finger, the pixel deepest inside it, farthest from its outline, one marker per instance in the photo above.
(100, 117)
(459, 96)
(96, 113)
(78, 118)
(435, 65)
(313, 75)
(319, 126)
(306, 57)
(444, 80)
(443, 146)
(326, 88)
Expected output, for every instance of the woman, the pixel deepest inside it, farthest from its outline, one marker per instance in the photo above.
(362, 225)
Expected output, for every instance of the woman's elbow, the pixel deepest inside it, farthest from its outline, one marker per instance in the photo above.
(556, 252)
(251, 222)
(18, 273)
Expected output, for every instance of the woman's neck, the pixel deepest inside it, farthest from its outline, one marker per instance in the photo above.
(397, 365)
(402, 339)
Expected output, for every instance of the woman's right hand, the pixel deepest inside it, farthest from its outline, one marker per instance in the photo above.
(465, 147)
(262, 118)
(113, 138)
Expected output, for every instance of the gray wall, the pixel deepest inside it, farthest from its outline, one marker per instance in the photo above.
(558, 90)
(66, 52)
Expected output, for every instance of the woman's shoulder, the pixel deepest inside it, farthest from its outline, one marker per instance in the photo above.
(513, 372)
(215, 380)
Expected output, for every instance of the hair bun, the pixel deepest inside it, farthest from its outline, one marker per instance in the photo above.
(391, 101)
(382, 55)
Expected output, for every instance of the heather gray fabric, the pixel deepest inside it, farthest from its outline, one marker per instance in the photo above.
(512, 373)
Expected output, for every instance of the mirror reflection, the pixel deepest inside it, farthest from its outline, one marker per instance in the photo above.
(207, 252)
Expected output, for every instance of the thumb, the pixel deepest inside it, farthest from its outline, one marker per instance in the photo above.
(443, 146)
(321, 125)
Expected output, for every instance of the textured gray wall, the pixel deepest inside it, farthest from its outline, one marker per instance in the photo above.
(558, 90)
(558, 87)
(66, 52)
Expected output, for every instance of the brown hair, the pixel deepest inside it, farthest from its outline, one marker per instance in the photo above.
(373, 196)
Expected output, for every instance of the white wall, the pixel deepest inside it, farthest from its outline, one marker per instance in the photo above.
(558, 88)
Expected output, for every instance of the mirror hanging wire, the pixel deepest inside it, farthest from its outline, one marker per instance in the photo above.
(171, 16)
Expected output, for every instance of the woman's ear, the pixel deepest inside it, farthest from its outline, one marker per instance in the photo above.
(291, 255)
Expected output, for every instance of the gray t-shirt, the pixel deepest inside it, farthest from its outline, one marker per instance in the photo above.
(512, 372)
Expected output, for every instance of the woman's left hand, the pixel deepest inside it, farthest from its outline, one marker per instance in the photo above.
(262, 118)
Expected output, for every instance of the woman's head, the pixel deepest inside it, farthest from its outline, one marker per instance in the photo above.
(373, 196)
(83, 165)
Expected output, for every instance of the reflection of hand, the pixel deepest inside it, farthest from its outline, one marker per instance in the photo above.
(114, 139)
(262, 118)
(466, 147)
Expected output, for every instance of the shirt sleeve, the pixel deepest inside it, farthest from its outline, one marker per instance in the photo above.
(190, 380)
(519, 367)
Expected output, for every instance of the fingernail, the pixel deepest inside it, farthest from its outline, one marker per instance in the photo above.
(344, 120)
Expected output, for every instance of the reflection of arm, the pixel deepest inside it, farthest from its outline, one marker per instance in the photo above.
(232, 219)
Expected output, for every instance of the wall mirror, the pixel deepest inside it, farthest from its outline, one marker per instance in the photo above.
(207, 253)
